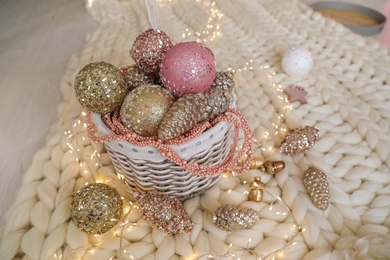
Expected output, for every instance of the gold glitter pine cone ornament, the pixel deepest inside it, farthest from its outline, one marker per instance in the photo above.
(164, 212)
(100, 87)
(96, 208)
(192, 109)
(299, 140)
(233, 217)
(317, 186)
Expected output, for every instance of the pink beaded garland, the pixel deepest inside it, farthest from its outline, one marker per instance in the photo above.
(231, 115)
(187, 67)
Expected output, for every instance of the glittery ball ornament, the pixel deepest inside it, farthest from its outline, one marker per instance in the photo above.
(144, 108)
(192, 109)
(149, 48)
(232, 217)
(100, 87)
(299, 140)
(135, 77)
(164, 212)
(297, 62)
(317, 187)
(187, 67)
(96, 208)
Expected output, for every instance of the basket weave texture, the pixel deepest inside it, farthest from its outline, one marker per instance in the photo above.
(144, 168)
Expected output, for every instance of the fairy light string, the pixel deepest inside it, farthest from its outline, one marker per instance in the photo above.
(210, 33)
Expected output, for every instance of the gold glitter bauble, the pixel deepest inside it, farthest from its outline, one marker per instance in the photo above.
(317, 187)
(100, 87)
(233, 217)
(144, 108)
(96, 208)
(164, 212)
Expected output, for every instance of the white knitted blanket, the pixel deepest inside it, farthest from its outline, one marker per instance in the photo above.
(348, 101)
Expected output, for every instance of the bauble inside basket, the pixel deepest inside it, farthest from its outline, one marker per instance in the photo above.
(144, 168)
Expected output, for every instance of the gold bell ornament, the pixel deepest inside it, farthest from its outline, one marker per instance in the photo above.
(257, 189)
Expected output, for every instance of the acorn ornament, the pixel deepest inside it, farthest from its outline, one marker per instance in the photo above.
(100, 87)
(317, 186)
(232, 217)
(192, 109)
(270, 167)
(299, 140)
(256, 192)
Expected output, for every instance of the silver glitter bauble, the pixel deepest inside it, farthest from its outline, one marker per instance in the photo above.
(164, 212)
(299, 140)
(144, 108)
(233, 217)
(100, 87)
(149, 48)
(96, 208)
(192, 109)
(317, 187)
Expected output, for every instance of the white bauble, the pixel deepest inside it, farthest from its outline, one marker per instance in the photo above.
(297, 62)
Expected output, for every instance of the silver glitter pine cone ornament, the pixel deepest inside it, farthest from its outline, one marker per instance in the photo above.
(192, 109)
(233, 217)
(148, 49)
(100, 87)
(317, 187)
(299, 140)
(96, 208)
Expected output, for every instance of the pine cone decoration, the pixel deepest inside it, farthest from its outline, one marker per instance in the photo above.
(164, 212)
(299, 140)
(192, 109)
(317, 187)
(135, 77)
(224, 80)
(233, 217)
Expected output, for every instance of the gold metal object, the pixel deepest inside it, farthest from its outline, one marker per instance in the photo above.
(257, 189)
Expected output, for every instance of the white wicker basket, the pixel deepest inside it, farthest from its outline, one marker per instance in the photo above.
(145, 169)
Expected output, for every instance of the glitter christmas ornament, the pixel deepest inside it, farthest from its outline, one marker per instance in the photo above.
(192, 109)
(297, 62)
(317, 187)
(100, 87)
(257, 189)
(299, 140)
(164, 212)
(96, 208)
(135, 77)
(144, 108)
(233, 217)
(187, 67)
(149, 48)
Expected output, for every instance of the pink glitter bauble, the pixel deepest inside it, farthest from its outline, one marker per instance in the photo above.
(148, 49)
(187, 67)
